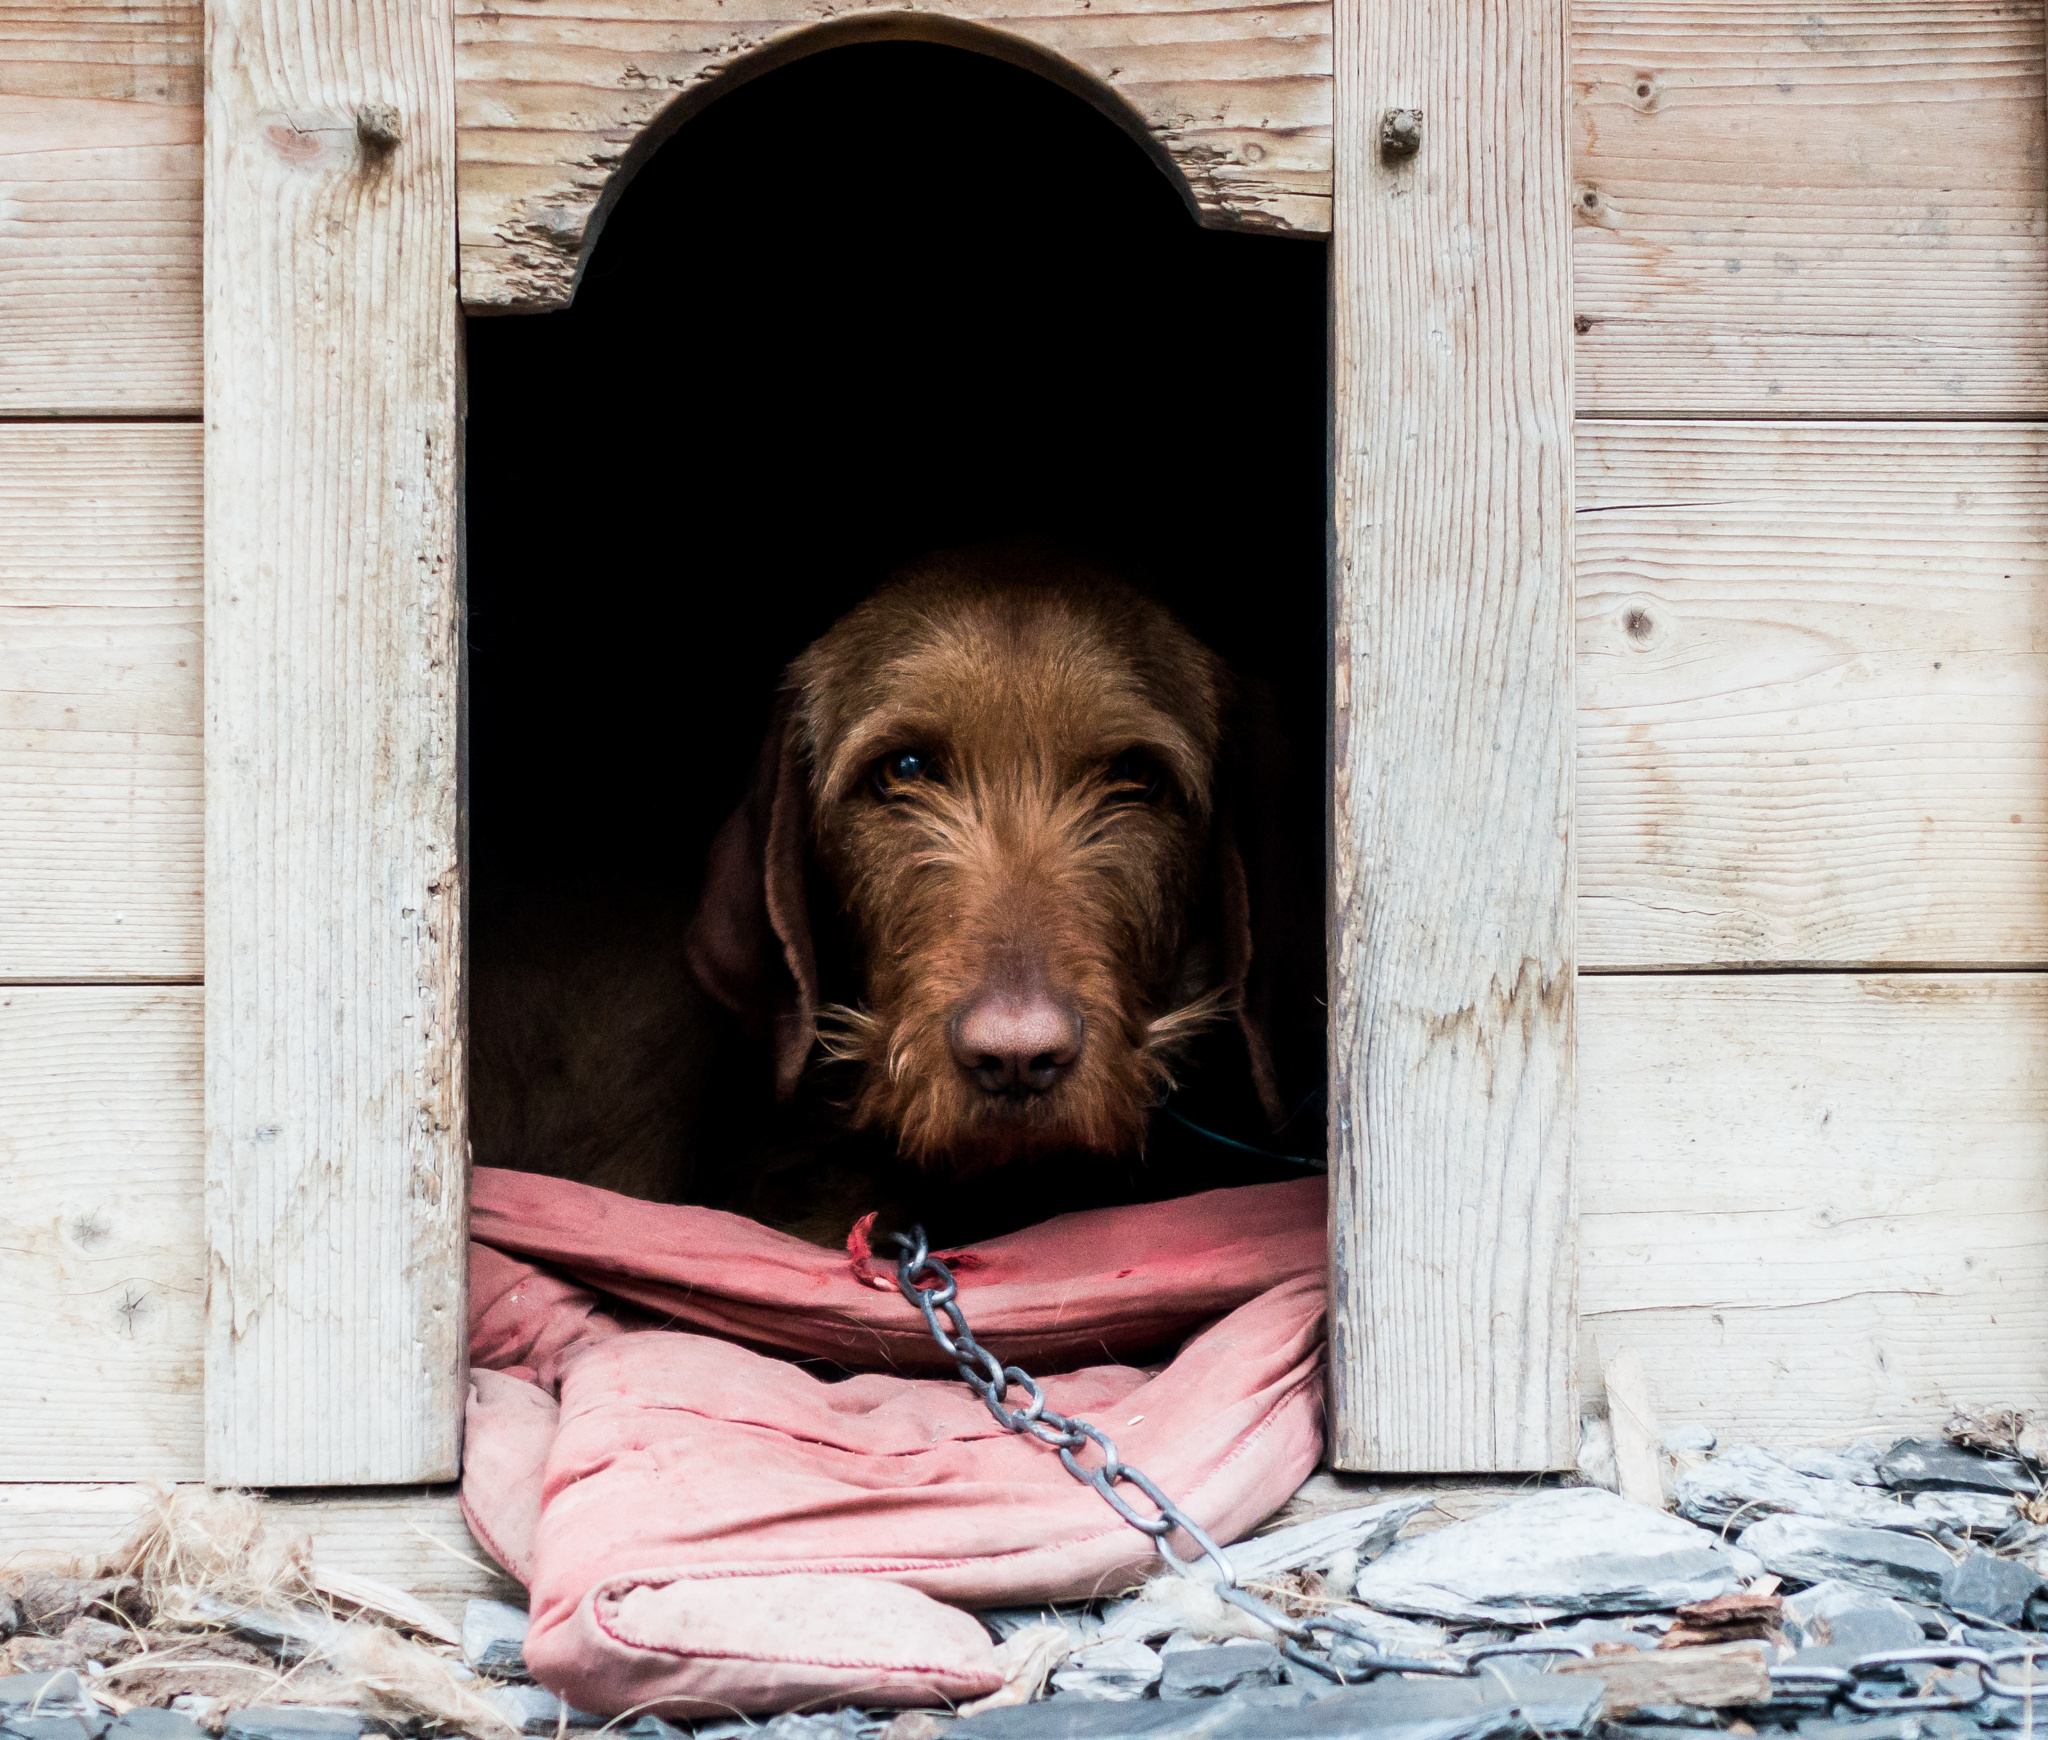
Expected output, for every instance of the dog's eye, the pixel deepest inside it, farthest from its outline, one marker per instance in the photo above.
(1135, 778)
(897, 772)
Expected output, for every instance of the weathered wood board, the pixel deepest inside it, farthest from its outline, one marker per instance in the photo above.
(337, 1165)
(415, 1540)
(1813, 686)
(556, 98)
(1816, 1204)
(1451, 979)
(99, 702)
(102, 1235)
(1791, 210)
(99, 208)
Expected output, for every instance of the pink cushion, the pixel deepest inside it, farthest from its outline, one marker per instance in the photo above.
(721, 1529)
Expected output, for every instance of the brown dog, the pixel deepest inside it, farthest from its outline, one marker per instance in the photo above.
(986, 879)
(997, 779)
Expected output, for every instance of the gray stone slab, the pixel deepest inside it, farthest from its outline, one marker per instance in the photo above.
(1815, 1550)
(59, 1693)
(148, 1724)
(536, 1710)
(1989, 1588)
(1834, 1612)
(292, 1722)
(21, 1726)
(1485, 1708)
(1366, 1531)
(1117, 1667)
(1746, 1482)
(494, 1638)
(1209, 1673)
(1568, 1551)
(1934, 1465)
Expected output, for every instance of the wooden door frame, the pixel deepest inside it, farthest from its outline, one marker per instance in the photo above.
(336, 1172)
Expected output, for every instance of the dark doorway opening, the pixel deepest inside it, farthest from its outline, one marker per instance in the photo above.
(890, 298)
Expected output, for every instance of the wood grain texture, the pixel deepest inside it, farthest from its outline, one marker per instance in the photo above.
(1816, 1203)
(102, 1241)
(415, 1540)
(1451, 936)
(1813, 685)
(1791, 211)
(122, 51)
(99, 252)
(557, 100)
(99, 702)
(336, 1164)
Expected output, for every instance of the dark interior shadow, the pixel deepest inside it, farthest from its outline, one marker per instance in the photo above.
(888, 298)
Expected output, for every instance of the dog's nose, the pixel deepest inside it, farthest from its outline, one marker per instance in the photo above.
(1016, 1045)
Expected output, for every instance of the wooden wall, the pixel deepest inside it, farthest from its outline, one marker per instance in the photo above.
(1811, 261)
(100, 1004)
(1811, 285)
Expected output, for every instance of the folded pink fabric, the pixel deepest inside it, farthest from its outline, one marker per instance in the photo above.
(705, 1526)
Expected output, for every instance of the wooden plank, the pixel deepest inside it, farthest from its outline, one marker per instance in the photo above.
(1813, 693)
(415, 1540)
(1233, 94)
(1451, 938)
(1793, 211)
(102, 1249)
(1816, 1203)
(99, 702)
(99, 257)
(336, 1163)
(121, 51)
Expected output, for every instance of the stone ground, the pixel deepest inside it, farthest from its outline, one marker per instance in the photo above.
(1664, 1620)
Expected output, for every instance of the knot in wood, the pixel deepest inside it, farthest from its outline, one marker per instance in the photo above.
(379, 127)
(1400, 134)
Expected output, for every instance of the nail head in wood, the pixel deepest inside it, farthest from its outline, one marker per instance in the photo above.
(379, 128)
(1400, 134)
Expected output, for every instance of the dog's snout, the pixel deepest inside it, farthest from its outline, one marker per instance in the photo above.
(1016, 1045)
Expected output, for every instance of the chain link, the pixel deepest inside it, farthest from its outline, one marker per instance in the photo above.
(1865, 1683)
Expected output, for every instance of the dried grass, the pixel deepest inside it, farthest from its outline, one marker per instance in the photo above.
(204, 1560)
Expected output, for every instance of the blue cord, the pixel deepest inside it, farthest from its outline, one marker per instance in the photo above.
(1246, 1147)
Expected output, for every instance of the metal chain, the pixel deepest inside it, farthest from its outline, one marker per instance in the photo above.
(1864, 1683)
(930, 1285)
(1861, 1683)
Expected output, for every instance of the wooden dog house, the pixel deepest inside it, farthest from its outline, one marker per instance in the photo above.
(1689, 695)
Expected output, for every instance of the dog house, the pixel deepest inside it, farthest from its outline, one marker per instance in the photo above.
(1688, 696)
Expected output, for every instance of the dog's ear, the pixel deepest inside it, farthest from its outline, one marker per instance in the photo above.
(749, 944)
(1253, 887)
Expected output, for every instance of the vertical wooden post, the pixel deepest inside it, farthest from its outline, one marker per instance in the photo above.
(1453, 1238)
(336, 1166)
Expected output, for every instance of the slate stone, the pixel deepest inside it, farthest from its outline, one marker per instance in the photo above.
(1485, 1708)
(1840, 1613)
(1933, 1465)
(494, 1638)
(1746, 1482)
(1366, 1531)
(654, 1728)
(1208, 1673)
(1989, 1588)
(1571, 1550)
(292, 1722)
(1689, 1440)
(1813, 1550)
(51, 1694)
(536, 1710)
(1081, 1623)
(22, 1726)
(832, 1725)
(148, 1724)
(1118, 1667)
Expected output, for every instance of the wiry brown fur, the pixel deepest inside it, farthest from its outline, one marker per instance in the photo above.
(1022, 678)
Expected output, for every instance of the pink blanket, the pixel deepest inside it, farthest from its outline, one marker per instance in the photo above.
(707, 1524)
